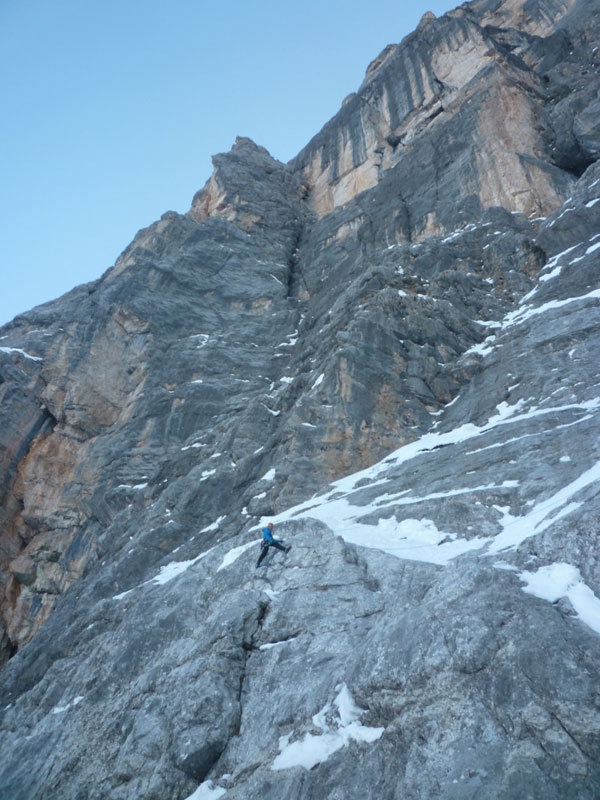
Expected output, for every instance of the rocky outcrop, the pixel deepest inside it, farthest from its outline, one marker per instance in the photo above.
(408, 309)
(403, 118)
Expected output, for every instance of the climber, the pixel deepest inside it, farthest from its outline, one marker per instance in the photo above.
(269, 541)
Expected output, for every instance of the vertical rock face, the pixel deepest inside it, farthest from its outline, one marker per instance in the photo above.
(466, 63)
(411, 303)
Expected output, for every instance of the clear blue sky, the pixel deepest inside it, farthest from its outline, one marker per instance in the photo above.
(111, 111)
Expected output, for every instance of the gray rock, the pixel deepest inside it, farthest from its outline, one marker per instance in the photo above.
(389, 316)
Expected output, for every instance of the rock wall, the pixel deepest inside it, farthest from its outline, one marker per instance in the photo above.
(412, 303)
(466, 63)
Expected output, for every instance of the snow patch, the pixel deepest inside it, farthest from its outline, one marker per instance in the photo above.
(270, 410)
(269, 476)
(543, 514)
(166, 573)
(235, 553)
(72, 704)
(202, 339)
(482, 349)
(175, 568)
(525, 313)
(207, 791)
(313, 749)
(20, 352)
(271, 645)
(459, 232)
(564, 580)
(292, 339)
(214, 526)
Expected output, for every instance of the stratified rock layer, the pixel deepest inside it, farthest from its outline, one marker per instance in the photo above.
(414, 296)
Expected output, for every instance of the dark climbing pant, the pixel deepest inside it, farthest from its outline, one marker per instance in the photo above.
(265, 550)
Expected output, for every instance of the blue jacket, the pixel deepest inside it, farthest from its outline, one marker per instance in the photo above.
(267, 535)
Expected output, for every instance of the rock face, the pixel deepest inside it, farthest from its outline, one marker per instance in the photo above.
(409, 309)
(460, 106)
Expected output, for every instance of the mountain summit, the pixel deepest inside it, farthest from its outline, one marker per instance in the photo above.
(389, 348)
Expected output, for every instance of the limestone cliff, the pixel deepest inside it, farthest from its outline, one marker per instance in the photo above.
(408, 308)
(472, 63)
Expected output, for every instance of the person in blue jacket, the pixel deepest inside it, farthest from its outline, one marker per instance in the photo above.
(269, 541)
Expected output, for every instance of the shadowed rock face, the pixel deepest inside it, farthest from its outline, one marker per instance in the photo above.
(414, 296)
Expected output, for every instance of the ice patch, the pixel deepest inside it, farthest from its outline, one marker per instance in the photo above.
(505, 567)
